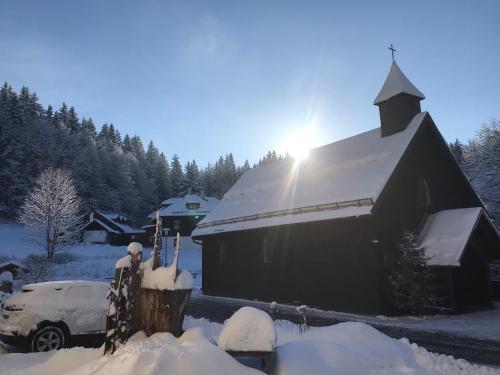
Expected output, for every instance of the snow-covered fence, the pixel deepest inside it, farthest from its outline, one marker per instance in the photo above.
(303, 325)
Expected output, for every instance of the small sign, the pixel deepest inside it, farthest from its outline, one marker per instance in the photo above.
(495, 272)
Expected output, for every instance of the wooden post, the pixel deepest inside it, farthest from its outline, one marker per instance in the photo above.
(157, 243)
(122, 319)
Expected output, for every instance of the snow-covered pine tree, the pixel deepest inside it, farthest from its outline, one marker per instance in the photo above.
(192, 178)
(482, 166)
(457, 149)
(177, 181)
(411, 280)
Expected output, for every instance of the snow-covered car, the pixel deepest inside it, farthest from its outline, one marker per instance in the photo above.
(51, 315)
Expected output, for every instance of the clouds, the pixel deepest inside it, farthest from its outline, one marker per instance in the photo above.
(209, 37)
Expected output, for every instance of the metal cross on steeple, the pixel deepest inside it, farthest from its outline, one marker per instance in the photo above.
(392, 51)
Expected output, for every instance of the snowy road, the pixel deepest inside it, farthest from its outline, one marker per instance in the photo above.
(435, 339)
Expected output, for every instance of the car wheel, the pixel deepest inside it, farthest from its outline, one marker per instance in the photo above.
(47, 338)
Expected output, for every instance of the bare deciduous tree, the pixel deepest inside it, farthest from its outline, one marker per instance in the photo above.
(50, 211)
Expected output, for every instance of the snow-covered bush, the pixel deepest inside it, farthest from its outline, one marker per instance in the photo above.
(411, 279)
(39, 269)
(50, 211)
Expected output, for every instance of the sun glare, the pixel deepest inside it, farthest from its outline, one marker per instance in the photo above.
(300, 144)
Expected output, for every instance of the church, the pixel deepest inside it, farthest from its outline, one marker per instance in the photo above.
(324, 232)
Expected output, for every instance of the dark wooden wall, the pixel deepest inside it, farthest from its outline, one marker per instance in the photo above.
(328, 264)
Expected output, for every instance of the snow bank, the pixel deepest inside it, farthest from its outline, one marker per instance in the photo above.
(162, 278)
(248, 329)
(162, 353)
(356, 348)
(48, 363)
(346, 348)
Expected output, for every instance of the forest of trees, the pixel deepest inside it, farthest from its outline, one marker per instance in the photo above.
(119, 174)
(480, 160)
(112, 173)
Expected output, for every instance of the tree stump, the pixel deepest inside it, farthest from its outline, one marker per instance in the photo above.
(163, 310)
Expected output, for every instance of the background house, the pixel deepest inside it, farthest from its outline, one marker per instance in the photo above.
(110, 228)
(17, 269)
(181, 214)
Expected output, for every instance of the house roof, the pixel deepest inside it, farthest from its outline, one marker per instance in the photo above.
(14, 263)
(178, 206)
(125, 228)
(342, 179)
(102, 224)
(446, 234)
(396, 83)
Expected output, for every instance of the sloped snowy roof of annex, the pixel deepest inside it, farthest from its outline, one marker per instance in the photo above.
(177, 206)
(446, 234)
(396, 83)
(339, 180)
(114, 217)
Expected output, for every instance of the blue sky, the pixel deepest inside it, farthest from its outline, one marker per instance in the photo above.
(212, 77)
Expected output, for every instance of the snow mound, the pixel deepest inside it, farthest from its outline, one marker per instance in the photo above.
(346, 348)
(125, 262)
(162, 353)
(134, 248)
(249, 329)
(6, 276)
(162, 278)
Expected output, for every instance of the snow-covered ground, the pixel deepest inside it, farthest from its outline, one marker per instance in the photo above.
(92, 262)
(97, 262)
(345, 348)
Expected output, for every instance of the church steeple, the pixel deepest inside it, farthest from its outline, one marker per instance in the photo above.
(398, 101)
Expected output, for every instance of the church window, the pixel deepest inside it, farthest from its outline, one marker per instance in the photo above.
(221, 252)
(192, 206)
(423, 193)
(266, 251)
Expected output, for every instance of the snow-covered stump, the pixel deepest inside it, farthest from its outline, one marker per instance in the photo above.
(164, 295)
(163, 310)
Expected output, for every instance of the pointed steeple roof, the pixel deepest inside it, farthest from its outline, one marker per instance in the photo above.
(396, 83)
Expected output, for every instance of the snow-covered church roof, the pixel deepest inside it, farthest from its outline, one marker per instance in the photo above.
(342, 179)
(188, 205)
(396, 83)
(446, 234)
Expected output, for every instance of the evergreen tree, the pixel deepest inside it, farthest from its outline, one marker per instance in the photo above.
(457, 149)
(192, 178)
(177, 181)
(88, 128)
(411, 280)
(72, 121)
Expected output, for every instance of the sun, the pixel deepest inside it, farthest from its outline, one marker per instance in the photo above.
(299, 144)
